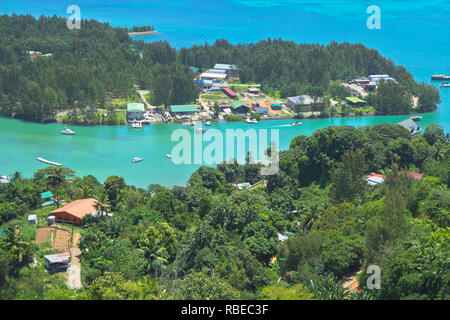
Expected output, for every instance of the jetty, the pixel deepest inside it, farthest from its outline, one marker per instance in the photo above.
(49, 162)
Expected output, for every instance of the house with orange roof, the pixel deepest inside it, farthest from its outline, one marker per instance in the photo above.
(75, 211)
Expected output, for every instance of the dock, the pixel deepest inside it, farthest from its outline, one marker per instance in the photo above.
(49, 162)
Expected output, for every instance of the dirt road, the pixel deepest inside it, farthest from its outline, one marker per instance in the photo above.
(74, 271)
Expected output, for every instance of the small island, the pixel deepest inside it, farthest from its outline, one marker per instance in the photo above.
(142, 31)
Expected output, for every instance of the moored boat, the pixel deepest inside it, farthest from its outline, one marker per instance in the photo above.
(67, 131)
(445, 85)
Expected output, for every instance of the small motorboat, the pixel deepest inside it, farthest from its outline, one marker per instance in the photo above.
(445, 85)
(200, 130)
(248, 120)
(67, 131)
(296, 124)
(208, 123)
(137, 159)
(416, 118)
(168, 156)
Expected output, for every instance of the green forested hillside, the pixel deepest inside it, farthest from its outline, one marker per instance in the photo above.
(209, 240)
(93, 65)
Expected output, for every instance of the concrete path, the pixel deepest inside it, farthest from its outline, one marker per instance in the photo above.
(74, 271)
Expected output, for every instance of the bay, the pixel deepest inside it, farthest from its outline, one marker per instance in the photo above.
(413, 34)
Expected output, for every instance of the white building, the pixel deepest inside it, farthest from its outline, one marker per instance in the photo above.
(213, 76)
(4, 179)
(32, 219)
(378, 77)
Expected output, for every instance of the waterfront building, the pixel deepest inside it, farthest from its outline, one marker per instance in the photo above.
(135, 111)
(355, 102)
(239, 108)
(303, 100)
(183, 110)
(411, 126)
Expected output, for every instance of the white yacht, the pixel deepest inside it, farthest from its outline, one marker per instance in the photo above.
(67, 131)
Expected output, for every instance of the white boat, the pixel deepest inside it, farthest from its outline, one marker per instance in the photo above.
(49, 162)
(168, 156)
(208, 123)
(187, 123)
(445, 85)
(137, 159)
(251, 120)
(296, 124)
(416, 118)
(67, 131)
(200, 130)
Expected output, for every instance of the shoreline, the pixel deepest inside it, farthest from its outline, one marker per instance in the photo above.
(143, 33)
(242, 121)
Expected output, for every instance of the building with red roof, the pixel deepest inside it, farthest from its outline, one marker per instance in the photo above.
(229, 93)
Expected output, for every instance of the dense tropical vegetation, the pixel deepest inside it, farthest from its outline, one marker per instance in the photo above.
(208, 240)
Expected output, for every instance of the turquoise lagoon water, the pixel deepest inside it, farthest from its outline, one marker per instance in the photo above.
(413, 34)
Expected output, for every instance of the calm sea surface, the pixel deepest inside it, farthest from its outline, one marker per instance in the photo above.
(413, 34)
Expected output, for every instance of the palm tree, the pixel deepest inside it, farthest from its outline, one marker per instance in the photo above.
(57, 178)
(15, 245)
(100, 206)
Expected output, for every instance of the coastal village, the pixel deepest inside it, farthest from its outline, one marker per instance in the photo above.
(223, 97)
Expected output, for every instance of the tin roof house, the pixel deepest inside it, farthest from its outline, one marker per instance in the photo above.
(411, 126)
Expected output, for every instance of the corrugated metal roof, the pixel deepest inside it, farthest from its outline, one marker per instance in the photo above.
(183, 108)
(230, 92)
(238, 104)
(135, 107)
(46, 195)
(213, 75)
(58, 258)
(226, 66)
(261, 109)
